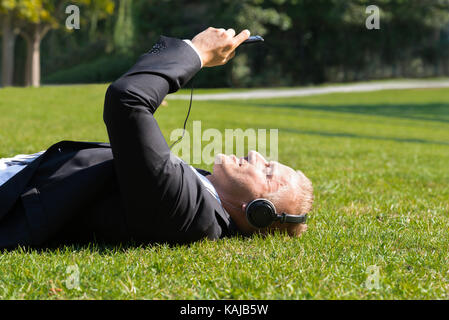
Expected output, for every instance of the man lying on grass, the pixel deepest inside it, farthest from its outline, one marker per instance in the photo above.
(134, 188)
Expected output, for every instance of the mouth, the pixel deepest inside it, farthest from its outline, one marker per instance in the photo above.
(232, 159)
(235, 159)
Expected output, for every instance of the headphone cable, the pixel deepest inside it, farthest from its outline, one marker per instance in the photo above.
(187, 117)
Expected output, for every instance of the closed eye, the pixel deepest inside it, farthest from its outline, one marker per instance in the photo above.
(273, 168)
(269, 168)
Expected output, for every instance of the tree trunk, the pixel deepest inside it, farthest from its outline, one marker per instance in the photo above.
(33, 65)
(93, 26)
(8, 42)
(33, 61)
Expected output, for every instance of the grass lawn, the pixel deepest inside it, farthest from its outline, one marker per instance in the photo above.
(379, 164)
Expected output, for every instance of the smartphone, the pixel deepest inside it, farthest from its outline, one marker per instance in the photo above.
(253, 39)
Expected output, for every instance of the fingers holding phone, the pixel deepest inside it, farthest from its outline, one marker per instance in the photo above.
(217, 46)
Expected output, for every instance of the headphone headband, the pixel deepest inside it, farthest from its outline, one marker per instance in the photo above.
(292, 218)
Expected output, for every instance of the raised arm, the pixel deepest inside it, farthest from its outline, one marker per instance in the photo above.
(151, 184)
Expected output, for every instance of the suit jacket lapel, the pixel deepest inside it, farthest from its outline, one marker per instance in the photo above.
(203, 172)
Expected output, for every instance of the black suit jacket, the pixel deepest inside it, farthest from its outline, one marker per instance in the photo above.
(130, 189)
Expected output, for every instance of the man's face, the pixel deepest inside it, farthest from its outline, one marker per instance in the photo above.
(251, 177)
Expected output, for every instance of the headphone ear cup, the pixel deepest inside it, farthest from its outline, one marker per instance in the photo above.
(260, 213)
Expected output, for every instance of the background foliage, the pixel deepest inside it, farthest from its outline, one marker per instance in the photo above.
(307, 41)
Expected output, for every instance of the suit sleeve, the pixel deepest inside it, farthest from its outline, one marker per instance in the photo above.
(151, 183)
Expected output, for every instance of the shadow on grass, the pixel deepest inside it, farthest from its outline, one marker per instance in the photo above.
(100, 248)
(436, 112)
(110, 247)
(357, 136)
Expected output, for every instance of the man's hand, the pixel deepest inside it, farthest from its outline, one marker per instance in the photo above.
(217, 46)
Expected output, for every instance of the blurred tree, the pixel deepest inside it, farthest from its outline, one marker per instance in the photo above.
(97, 10)
(124, 27)
(185, 18)
(9, 33)
(328, 40)
(33, 19)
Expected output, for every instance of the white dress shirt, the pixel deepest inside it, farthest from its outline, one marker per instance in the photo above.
(194, 48)
(207, 184)
(9, 167)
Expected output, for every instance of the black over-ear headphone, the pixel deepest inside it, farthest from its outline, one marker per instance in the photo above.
(261, 213)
